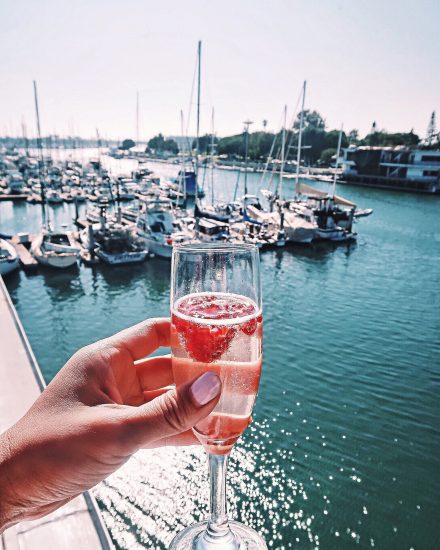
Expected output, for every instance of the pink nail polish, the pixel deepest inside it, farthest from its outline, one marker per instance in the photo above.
(205, 388)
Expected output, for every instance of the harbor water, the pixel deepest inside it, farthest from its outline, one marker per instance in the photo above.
(344, 448)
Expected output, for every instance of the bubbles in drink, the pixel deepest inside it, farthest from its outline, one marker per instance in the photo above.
(221, 333)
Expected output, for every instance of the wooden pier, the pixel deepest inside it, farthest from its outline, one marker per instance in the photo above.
(28, 262)
(77, 525)
(82, 223)
(7, 197)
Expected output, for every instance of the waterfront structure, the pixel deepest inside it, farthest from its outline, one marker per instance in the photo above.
(400, 169)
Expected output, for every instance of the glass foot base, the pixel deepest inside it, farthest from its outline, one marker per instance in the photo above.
(243, 538)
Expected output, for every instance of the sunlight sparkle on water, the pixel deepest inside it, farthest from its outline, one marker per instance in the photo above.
(159, 492)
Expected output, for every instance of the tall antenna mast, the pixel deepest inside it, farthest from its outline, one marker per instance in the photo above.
(301, 124)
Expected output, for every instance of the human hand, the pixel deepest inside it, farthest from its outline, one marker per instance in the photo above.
(107, 402)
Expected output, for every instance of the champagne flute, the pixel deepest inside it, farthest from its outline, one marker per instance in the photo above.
(217, 326)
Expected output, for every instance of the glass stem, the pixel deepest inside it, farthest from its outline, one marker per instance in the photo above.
(218, 526)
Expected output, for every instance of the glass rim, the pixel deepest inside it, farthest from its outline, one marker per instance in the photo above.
(214, 247)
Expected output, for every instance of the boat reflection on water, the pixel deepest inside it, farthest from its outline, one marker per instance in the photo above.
(153, 277)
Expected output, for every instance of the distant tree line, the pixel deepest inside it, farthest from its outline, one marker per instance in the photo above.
(318, 144)
(160, 144)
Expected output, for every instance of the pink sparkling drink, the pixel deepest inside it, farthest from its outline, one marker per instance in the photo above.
(220, 333)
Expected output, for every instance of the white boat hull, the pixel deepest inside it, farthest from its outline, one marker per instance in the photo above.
(50, 258)
(60, 261)
(11, 262)
(162, 250)
(123, 258)
(7, 266)
(300, 235)
(335, 235)
(297, 229)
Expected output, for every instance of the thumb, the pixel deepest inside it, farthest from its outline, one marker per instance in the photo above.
(175, 411)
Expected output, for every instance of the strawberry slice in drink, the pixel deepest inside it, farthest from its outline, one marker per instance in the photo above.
(207, 341)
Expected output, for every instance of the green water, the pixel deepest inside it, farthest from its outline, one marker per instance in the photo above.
(344, 450)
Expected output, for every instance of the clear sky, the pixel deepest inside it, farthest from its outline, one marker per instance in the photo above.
(364, 61)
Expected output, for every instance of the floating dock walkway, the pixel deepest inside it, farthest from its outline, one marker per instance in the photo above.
(77, 525)
(27, 261)
(7, 197)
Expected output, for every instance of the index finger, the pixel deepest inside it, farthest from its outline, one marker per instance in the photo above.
(142, 339)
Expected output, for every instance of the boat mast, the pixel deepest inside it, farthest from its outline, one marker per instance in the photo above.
(283, 152)
(199, 69)
(246, 123)
(301, 124)
(333, 189)
(98, 142)
(25, 139)
(212, 157)
(137, 118)
(182, 178)
(40, 150)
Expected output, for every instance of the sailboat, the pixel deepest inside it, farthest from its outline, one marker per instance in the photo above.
(49, 248)
(114, 244)
(188, 177)
(334, 223)
(294, 226)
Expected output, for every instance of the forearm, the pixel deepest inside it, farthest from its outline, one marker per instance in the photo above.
(9, 510)
(33, 480)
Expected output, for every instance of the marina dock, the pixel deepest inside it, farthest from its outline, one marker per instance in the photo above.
(27, 261)
(78, 524)
(8, 197)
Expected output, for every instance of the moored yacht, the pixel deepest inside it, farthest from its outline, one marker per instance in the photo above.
(159, 227)
(297, 227)
(114, 243)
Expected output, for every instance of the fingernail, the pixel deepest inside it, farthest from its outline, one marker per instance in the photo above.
(205, 388)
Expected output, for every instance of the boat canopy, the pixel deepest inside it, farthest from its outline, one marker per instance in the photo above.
(211, 227)
(199, 213)
(316, 193)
